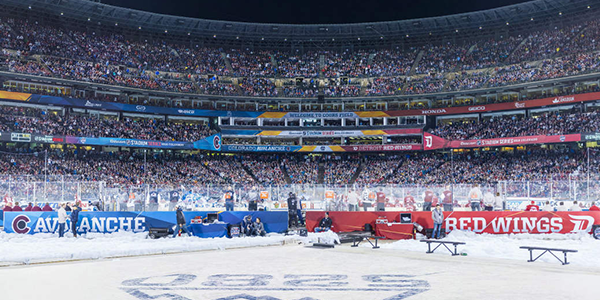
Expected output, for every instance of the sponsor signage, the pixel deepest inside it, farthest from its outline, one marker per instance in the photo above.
(367, 148)
(590, 136)
(212, 142)
(109, 222)
(504, 222)
(432, 142)
(42, 99)
(514, 141)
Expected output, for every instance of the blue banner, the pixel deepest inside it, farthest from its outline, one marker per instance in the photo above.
(91, 104)
(108, 222)
(257, 148)
(212, 143)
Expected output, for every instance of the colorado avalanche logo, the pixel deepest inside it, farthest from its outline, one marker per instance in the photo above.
(19, 224)
(562, 138)
(217, 142)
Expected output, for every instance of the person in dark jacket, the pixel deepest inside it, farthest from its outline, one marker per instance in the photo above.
(68, 207)
(324, 224)
(75, 218)
(247, 225)
(292, 203)
(258, 228)
(181, 224)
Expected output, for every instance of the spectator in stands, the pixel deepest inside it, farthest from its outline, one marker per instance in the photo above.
(438, 219)
(325, 224)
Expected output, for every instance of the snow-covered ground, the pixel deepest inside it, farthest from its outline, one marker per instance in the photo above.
(507, 246)
(25, 249)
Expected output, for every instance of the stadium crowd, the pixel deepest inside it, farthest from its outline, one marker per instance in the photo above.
(519, 125)
(114, 59)
(34, 120)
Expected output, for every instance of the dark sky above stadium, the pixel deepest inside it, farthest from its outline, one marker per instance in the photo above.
(310, 11)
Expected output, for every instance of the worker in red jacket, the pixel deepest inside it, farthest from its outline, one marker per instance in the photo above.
(7, 207)
(594, 207)
(36, 208)
(29, 207)
(532, 207)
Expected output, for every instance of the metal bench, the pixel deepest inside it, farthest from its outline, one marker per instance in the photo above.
(441, 242)
(358, 239)
(548, 250)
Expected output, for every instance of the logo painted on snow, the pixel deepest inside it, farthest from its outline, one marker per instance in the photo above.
(259, 286)
(19, 224)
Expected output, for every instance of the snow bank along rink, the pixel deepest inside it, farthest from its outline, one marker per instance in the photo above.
(493, 269)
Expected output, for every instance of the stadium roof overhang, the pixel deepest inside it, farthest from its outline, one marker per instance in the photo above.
(513, 17)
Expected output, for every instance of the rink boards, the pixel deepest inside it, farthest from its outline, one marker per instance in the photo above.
(108, 222)
(494, 222)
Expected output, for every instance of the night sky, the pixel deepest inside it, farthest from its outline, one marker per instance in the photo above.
(310, 11)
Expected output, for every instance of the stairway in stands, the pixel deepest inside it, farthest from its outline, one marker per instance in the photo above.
(356, 174)
(286, 176)
(321, 176)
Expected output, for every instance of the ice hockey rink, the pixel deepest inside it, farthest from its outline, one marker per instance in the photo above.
(299, 271)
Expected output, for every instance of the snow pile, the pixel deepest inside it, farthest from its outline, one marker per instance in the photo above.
(327, 237)
(507, 246)
(23, 248)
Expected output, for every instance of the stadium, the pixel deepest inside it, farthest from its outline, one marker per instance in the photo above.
(245, 134)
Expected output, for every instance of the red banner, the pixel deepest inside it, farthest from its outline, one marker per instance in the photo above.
(399, 147)
(503, 222)
(498, 106)
(513, 141)
(432, 142)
